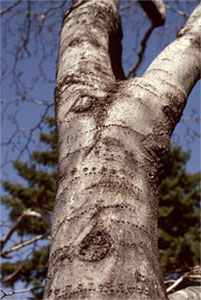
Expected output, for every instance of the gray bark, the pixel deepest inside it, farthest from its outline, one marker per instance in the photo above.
(189, 293)
(113, 138)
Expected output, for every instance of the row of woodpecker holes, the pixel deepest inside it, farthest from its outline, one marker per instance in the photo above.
(96, 129)
(105, 288)
(97, 207)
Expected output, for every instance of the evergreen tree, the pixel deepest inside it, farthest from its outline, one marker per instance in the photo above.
(178, 213)
(38, 195)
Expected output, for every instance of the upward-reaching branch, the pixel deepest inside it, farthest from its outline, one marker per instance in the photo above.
(179, 63)
(176, 70)
(148, 33)
(173, 74)
(27, 213)
(155, 10)
(90, 46)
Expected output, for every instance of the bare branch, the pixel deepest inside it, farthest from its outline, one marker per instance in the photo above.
(178, 11)
(2, 12)
(12, 275)
(23, 244)
(176, 283)
(193, 275)
(142, 51)
(6, 294)
(27, 133)
(155, 10)
(127, 6)
(14, 227)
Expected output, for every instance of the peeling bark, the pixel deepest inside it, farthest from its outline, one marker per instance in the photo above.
(113, 139)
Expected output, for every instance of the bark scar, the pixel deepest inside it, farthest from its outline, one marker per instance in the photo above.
(95, 246)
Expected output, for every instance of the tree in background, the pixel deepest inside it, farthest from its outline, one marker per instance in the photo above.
(178, 194)
(23, 201)
(179, 213)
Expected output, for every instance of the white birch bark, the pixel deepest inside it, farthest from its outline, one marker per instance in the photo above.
(113, 137)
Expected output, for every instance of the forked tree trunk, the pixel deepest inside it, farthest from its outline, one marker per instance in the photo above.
(113, 138)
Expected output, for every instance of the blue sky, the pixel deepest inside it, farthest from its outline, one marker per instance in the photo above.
(28, 114)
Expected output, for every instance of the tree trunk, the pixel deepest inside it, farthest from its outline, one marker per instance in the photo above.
(113, 137)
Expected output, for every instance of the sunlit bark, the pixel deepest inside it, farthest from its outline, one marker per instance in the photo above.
(113, 138)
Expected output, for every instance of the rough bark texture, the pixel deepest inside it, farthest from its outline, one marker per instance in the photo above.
(113, 138)
(189, 293)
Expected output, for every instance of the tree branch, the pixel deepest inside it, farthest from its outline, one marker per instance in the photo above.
(175, 71)
(179, 63)
(193, 275)
(176, 283)
(6, 294)
(2, 12)
(24, 214)
(155, 10)
(12, 275)
(142, 51)
(23, 244)
(178, 11)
